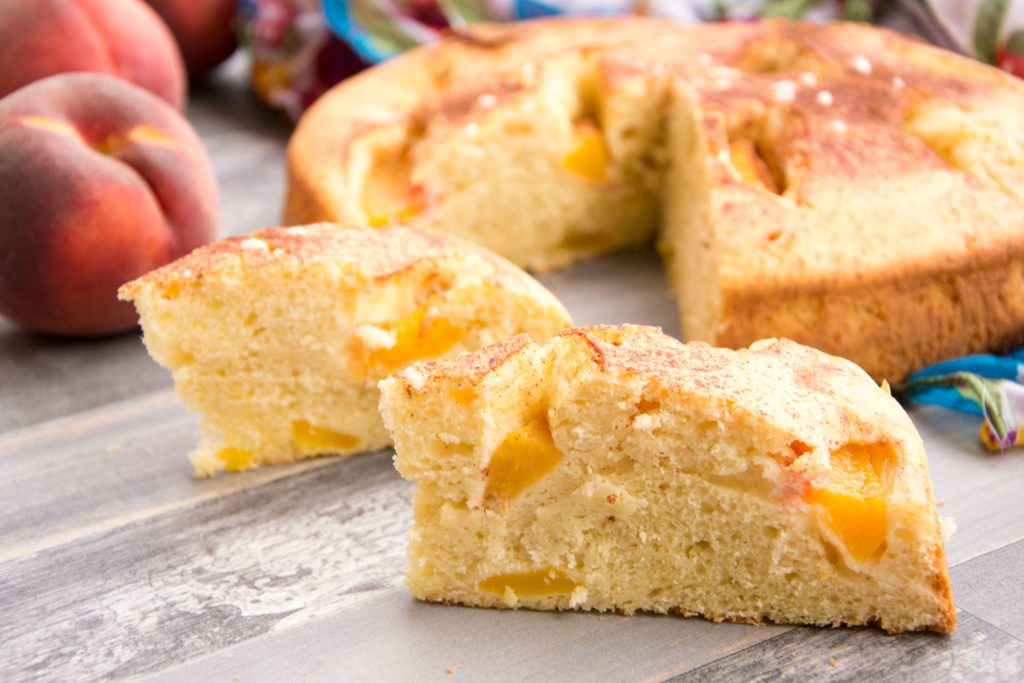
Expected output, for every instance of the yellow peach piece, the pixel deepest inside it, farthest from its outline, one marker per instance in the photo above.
(526, 584)
(415, 340)
(751, 167)
(526, 455)
(389, 197)
(576, 239)
(312, 439)
(235, 459)
(852, 500)
(397, 216)
(589, 155)
(463, 395)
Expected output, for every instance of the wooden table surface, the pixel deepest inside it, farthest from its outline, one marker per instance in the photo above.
(115, 562)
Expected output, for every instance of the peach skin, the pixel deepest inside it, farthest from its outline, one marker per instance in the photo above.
(122, 38)
(100, 181)
(203, 29)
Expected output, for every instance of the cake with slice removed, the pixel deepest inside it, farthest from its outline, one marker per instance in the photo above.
(836, 184)
(279, 339)
(615, 468)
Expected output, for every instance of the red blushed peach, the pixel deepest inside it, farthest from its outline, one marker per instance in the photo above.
(123, 38)
(203, 28)
(100, 182)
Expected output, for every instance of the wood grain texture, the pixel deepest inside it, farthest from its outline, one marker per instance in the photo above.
(992, 587)
(978, 651)
(637, 293)
(979, 490)
(393, 637)
(102, 468)
(43, 377)
(142, 595)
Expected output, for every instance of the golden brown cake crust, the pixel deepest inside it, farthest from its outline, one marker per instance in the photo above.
(470, 369)
(770, 380)
(375, 254)
(893, 235)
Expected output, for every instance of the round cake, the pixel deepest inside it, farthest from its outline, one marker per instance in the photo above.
(840, 185)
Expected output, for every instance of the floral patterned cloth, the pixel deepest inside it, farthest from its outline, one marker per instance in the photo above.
(985, 385)
(989, 30)
(300, 48)
(295, 55)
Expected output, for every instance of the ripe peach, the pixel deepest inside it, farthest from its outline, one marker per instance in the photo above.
(123, 38)
(204, 31)
(101, 181)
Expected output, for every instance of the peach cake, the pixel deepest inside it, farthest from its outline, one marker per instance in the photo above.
(840, 185)
(615, 468)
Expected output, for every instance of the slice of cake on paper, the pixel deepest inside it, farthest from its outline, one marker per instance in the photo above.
(615, 468)
(279, 339)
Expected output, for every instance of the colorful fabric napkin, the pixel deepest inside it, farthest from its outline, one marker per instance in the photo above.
(990, 30)
(295, 56)
(378, 29)
(985, 385)
(300, 48)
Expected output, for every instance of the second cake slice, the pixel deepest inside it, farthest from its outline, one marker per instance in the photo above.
(278, 339)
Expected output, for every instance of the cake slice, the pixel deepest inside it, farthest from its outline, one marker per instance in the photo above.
(279, 339)
(615, 468)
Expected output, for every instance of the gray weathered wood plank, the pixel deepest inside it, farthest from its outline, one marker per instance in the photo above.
(980, 490)
(94, 471)
(978, 651)
(42, 378)
(147, 593)
(992, 587)
(393, 637)
(628, 287)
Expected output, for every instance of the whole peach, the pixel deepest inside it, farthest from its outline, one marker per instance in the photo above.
(123, 38)
(203, 28)
(100, 182)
